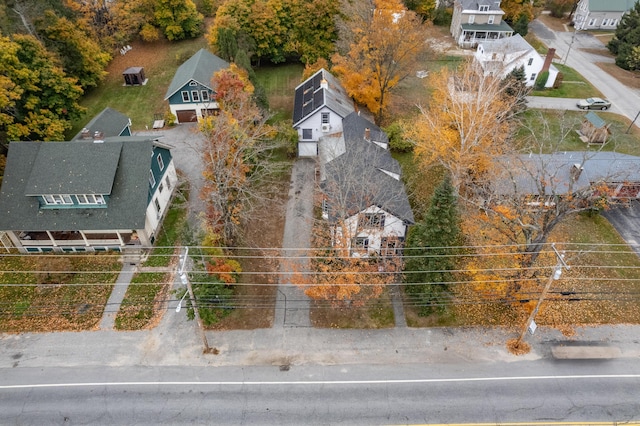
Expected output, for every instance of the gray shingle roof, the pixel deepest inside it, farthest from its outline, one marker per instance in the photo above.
(109, 121)
(611, 5)
(126, 206)
(310, 97)
(522, 174)
(361, 176)
(200, 67)
(508, 45)
(475, 4)
(72, 168)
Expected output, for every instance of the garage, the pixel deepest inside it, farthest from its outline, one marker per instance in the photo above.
(187, 116)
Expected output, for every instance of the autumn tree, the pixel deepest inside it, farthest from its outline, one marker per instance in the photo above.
(428, 251)
(465, 125)
(238, 168)
(515, 87)
(385, 42)
(178, 19)
(37, 100)
(334, 275)
(80, 55)
(275, 29)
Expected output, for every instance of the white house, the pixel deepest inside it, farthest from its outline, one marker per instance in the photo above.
(600, 14)
(320, 104)
(364, 197)
(500, 57)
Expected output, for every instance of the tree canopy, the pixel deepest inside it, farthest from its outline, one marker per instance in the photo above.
(626, 43)
(37, 99)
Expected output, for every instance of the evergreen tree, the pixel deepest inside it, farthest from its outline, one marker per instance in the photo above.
(516, 87)
(429, 243)
(521, 25)
(627, 38)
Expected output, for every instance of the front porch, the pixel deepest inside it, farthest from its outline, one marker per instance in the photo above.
(472, 34)
(71, 241)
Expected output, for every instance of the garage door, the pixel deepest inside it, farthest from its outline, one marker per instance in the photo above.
(187, 116)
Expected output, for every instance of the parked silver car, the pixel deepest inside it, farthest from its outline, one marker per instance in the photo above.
(594, 103)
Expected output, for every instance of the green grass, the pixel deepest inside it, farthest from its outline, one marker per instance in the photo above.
(279, 82)
(574, 85)
(139, 103)
(71, 299)
(138, 307)
(566, 122)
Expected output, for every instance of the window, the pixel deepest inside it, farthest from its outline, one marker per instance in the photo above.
(307, 134)
(530, 61)
(491, 18)
(195, 95)
(371, 220)
(472, 18)
(592, 22)
(157, 203)
(483, 8)
(168, 182)
(533, 76)
(160, 162)
(193, 83)
(90, 199)
(361, 243)
(325, 118)
(152, 179)
(57, 199)
(161, 187)
(205, 96)
(185, 97)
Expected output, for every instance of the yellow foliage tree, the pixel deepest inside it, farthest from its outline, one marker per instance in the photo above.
(385, 42)
(335, 275)
(465, 124)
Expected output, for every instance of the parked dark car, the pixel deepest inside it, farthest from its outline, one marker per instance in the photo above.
(594, 103)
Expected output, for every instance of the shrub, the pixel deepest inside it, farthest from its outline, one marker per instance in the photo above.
(169, 119)
(541, 81)
(397, 141)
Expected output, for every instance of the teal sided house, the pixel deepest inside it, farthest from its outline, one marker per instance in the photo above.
(190, 94)
(85, 195)
(108, 122)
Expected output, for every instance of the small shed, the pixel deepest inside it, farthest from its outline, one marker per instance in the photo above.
(134, 76)
(594, 129)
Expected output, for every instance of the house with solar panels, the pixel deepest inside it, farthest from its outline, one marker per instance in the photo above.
(320, 104)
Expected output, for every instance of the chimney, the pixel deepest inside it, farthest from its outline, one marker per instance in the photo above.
(547, 61)
(98, 137)
(367, 134)
(85, 133)
(324, 84)
(576, 170)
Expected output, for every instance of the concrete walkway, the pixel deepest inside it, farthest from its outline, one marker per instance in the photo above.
(117, 295)
(292, 305)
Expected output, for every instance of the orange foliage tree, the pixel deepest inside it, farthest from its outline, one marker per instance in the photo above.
(384, 42)
(466, 123)
(237, 151)
(334, 274)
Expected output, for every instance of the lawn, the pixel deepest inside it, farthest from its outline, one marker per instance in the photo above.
(566, 122)
(55, 292)
(377, 313)
(160, 61)
(574, 85)
(279, 82)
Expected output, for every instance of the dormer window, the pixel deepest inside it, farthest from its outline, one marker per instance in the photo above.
(152, 179)
(56, 199)
(90, 199)
(193, 83)
(483, 8)
(160, 162)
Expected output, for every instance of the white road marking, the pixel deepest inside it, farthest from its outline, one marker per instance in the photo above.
(322, 382)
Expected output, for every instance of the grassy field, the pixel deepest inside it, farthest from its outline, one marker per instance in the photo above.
(574, 85)
(55, 292)
(160, 61)
(561, 123)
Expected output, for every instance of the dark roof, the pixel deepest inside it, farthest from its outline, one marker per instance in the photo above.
(522, 174)
(126, 206)
(364, 175)
(109, 122)
(310, 96)
(133, 70)
(502, 27)
(72, 168)
(200, 67)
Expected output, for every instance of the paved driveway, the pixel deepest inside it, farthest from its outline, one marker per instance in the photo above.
(570, 47)
(560, 103)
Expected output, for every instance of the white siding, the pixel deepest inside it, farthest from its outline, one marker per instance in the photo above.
(393, 227)
(153, 216)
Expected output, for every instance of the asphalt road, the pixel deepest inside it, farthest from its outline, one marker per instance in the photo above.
(570, 46)
(541, 390)
(561, 104)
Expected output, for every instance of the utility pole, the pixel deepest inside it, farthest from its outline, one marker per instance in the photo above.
(557, 273)
(184, 277)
